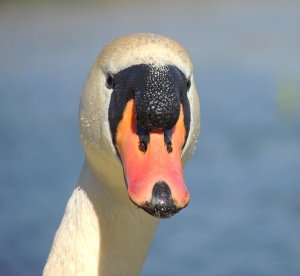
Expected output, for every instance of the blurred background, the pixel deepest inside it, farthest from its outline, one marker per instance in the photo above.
(244, 178)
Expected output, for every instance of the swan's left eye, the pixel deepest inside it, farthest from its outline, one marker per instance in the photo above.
(188, 84)
(110, 81)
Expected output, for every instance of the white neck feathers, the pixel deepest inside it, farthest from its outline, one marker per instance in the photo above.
(98, 225)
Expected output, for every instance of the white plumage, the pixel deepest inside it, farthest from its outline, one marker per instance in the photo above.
(102, 231)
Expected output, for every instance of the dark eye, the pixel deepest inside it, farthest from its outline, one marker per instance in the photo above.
(188, 84)
(110, 81)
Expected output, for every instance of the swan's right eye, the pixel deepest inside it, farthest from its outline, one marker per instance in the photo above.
(110, 81)
(188, 84)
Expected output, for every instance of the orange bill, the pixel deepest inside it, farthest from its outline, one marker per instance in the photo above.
(143, 169)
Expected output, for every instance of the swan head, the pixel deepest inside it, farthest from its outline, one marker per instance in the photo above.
(139, 120)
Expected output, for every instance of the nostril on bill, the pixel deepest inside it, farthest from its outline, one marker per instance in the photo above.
(168, 140)
(144, 138)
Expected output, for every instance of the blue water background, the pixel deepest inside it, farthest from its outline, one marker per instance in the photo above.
(244, 215)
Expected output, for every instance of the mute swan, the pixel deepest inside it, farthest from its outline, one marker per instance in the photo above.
(139, 121)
